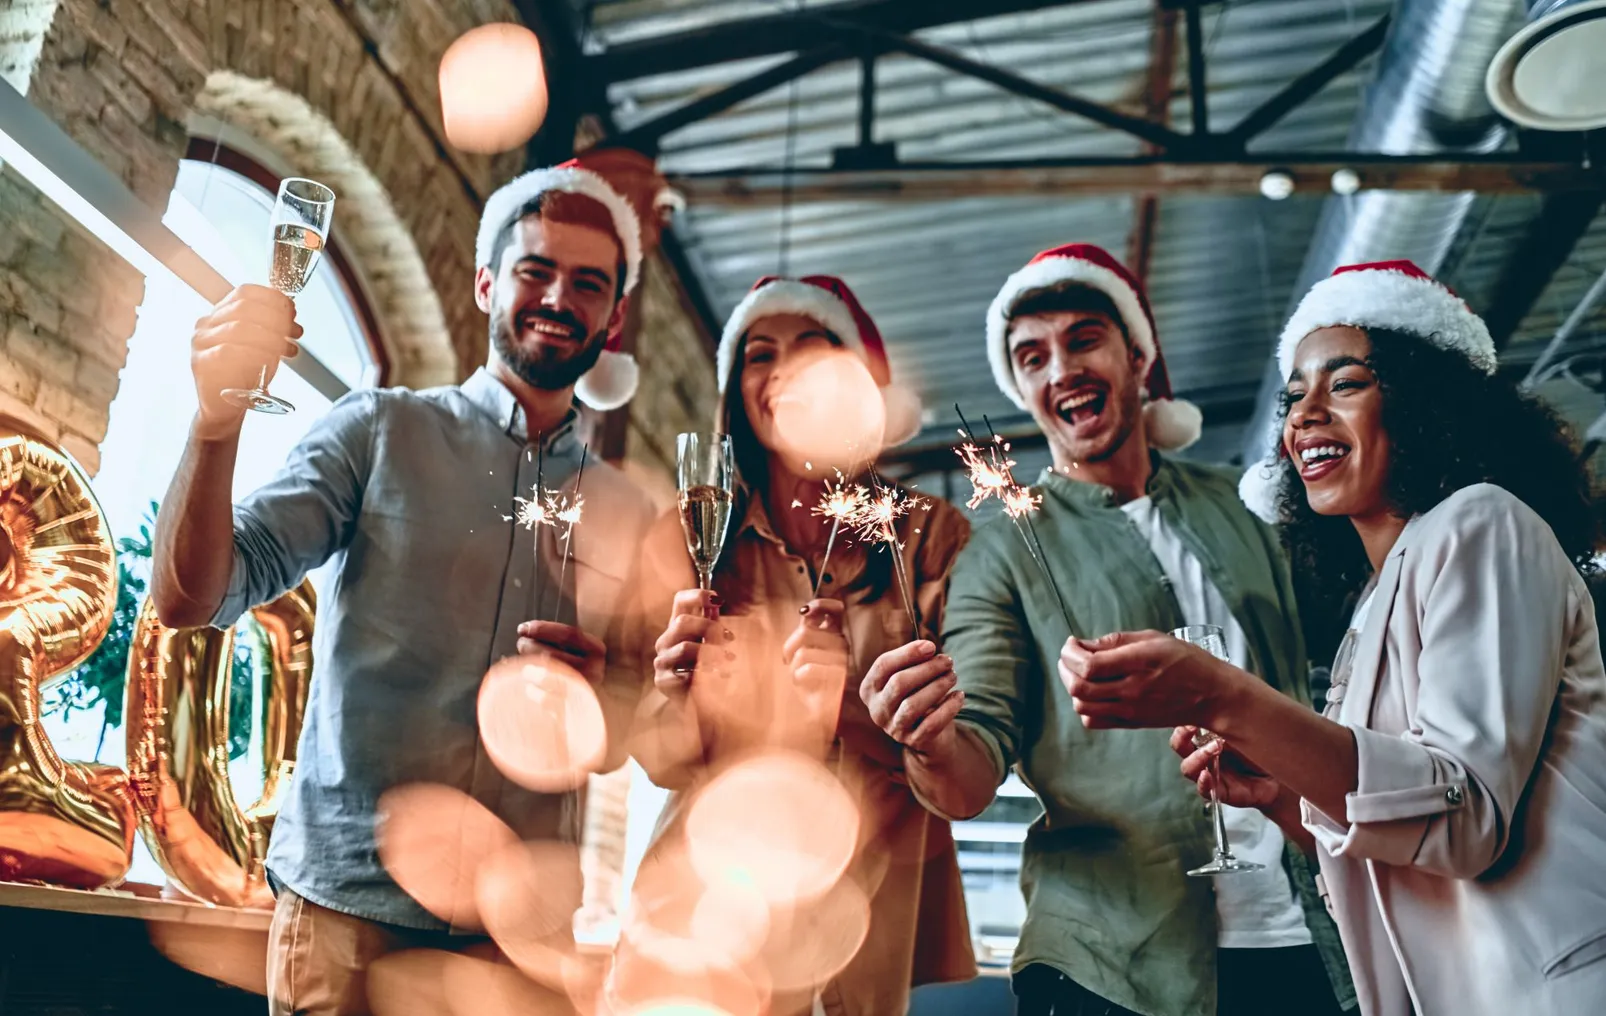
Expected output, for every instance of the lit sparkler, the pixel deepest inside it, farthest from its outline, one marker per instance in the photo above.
(840, 504)
(876, 521)
(992, 474)
(568, 510)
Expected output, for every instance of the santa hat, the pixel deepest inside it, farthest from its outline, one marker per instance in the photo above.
(637, 200)
(827, 300)
(1391, 295)
(1171, 423)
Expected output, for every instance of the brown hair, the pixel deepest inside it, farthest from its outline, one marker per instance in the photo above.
(1068, 298)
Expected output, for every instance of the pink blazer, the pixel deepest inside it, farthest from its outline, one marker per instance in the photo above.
(1468, 876)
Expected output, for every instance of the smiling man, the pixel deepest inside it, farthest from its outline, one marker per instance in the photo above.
(409, 494)
(1134, 540)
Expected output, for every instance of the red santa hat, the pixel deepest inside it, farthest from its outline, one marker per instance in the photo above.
(1392, 295)
(628, 187)
(1170, 423)
(827, 300)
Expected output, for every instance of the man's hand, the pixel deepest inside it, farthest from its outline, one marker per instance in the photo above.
(694, 642)
(563, 642)
(912, 695)
(1144, 679)
(1241, 784)
(233, 344)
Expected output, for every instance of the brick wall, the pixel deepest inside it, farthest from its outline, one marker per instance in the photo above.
(122, 76)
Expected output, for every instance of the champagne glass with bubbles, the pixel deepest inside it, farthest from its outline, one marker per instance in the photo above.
(1212, 640)
(706, 470)
(300, 225)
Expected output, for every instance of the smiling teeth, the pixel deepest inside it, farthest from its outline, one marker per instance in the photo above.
(1322, 452)
(1078, 401)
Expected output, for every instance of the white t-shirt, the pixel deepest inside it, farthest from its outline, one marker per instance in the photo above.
(1258, 909)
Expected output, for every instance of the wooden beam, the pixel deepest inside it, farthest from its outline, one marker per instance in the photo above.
(792, 32)
(1157, 107)
(1312, 176)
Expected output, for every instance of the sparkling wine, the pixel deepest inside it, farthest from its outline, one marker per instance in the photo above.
(296, 250)
(704, 513)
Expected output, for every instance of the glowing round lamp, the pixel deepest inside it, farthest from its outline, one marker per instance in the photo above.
(493, 88)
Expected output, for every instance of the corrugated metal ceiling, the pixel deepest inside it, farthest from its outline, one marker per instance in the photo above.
(1222, 270)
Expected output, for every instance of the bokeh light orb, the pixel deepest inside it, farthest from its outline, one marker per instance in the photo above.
(433, 840)
(493, 88)
(829, 413)
(777, 822)
(541, 723)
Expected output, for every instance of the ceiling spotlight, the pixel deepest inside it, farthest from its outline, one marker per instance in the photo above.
(1276, 185)
(1346, 182)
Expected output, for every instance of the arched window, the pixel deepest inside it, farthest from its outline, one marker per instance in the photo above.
(220, 206)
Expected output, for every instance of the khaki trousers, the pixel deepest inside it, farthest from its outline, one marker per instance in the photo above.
(325, 963)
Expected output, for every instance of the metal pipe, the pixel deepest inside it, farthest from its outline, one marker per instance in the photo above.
(1428, 96)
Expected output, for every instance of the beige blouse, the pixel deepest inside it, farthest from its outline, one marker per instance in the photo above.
(905, 862)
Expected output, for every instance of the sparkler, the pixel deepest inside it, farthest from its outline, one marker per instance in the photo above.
(568, 511)
(992, 474)
(875, 521)
(840, 503)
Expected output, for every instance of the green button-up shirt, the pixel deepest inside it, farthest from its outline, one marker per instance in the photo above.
(1108, 900)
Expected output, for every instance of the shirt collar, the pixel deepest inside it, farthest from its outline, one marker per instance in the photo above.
(493, 398)
(1078, 492)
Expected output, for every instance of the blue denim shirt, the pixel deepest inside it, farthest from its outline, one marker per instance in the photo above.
(409, 492)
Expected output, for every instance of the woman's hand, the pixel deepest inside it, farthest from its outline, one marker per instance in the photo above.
(693, 643)
(1144, 679)
(1241, 784)
(817, 650)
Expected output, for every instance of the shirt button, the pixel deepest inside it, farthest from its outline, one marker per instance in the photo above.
(826, 577)
(1455, 796)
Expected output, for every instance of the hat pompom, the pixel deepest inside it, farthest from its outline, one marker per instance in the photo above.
(1257, 488)
(1172, 424)
(610, 383)
(903, 414)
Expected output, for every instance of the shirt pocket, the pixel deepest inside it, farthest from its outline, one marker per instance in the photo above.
(601, 570)
(1590, 949)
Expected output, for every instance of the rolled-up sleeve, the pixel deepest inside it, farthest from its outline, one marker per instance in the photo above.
(992, 653)
(1442, 796)
(308, 511)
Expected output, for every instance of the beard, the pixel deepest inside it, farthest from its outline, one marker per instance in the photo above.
(547, 367)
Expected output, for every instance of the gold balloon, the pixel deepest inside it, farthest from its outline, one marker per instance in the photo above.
(178, 747)
(68, 823)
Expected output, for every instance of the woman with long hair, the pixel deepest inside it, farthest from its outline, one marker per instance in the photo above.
(1454, 788)
(770, 660)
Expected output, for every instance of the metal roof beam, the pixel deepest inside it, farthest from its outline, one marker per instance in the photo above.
(792, 32)
(1302, 88)
(1312, 175)
(1147, 130)
(645, 137)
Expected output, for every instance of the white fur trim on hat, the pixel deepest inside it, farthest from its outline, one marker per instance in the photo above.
(610, 383)
(513, 195)
(1042, 275)
(1257, 488)
(1385, 298)
(784, 296)
(904, 413)
(1172, 424)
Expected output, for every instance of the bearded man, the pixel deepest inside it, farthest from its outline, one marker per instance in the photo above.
(409, 494)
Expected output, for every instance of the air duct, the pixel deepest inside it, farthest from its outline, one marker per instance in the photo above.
(1428, 97)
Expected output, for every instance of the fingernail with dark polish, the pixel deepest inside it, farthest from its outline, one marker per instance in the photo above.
(730, 636)
(730, 656)
(714, 599)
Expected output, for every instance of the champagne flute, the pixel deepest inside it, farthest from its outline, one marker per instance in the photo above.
(300, 225)
(1212, 640)
(706, 470)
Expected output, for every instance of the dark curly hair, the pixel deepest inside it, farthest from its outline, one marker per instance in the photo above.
(1449, 426)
